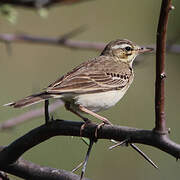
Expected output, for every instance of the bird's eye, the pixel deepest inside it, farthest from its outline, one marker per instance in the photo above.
(128, 48)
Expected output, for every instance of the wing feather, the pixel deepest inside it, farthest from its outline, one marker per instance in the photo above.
(89, 84)
(97, 75)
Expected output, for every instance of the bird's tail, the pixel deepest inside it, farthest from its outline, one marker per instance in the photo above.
(29, 100)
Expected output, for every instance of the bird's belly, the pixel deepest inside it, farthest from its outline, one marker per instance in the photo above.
(100, 101)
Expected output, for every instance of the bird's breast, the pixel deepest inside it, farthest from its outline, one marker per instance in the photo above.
(100, 101)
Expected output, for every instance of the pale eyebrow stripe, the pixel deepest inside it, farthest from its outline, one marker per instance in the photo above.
(120, 46)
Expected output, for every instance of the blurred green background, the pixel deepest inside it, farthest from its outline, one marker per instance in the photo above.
(30, 68)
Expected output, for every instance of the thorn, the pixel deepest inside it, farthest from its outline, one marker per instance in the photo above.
(171, 7)
(143, 155)
(8, 104)
(77, 167)
(163, 75)
(124, 142)
(85, 140)
(114, 141)
(86, 158)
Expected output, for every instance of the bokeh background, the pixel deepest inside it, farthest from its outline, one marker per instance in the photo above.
(31, 67)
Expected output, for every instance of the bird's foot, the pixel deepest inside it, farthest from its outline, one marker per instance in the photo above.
(105, 122)
(86, 123)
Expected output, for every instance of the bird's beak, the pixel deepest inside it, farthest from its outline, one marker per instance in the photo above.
(144, 49)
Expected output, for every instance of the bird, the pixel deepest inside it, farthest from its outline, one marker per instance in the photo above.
(96, 84)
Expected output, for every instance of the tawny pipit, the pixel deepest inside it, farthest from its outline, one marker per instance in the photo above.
(94, 85)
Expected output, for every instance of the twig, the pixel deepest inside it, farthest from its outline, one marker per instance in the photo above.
(60, 41)
(86, 158)
(66, 42)
(46, 111)
(160, 124)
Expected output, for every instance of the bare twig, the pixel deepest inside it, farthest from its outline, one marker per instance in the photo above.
(86, 158)
(46, 111)
(66, 42)
(60, 41)
(160, 125)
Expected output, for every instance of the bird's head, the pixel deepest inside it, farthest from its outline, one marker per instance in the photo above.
(124, 50)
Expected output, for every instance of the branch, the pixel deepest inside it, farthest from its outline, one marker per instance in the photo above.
(160, 122)
(66, 42)
(39, 3)
(12, 152)
(31, 171)
(60, 41)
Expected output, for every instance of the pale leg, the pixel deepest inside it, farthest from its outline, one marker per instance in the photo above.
(105, 121)
(86, 120)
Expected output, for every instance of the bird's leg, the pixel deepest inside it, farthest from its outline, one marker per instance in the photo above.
(105, 121)
(86, 120)
(67, 106)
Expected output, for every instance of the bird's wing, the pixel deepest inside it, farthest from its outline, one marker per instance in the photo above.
(89, 78)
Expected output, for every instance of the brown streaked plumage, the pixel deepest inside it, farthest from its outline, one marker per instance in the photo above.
(94, 85)
(99, 77)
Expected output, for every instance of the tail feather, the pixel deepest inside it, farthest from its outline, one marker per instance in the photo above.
(29, 100)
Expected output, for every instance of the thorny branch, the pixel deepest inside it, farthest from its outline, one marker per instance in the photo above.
(160, 122)
(70, 128)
